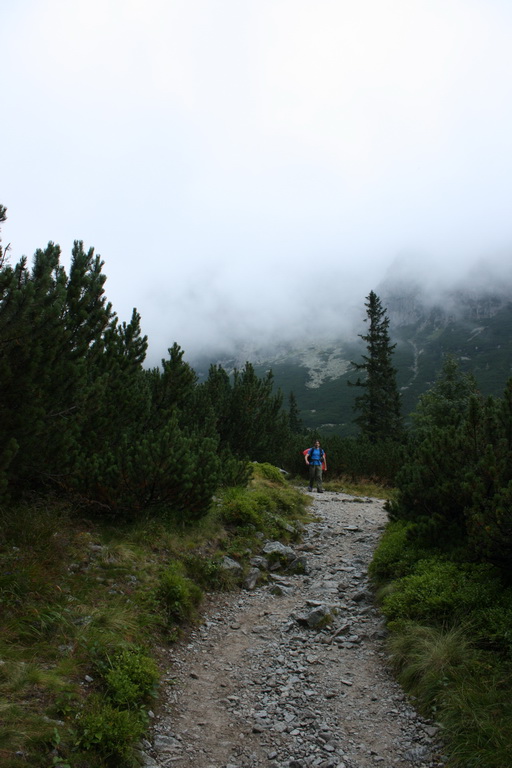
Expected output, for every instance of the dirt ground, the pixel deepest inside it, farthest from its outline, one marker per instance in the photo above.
(257, 684)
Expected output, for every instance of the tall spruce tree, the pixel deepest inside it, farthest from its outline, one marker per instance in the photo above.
(296, 425)
(378, 406)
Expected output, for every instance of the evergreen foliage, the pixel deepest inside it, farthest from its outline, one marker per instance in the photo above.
(437, 455)
(51, 329)
(349, 458)
(249, 416)
(80, 414)
(295, 422)
(456, 481)
(444, 563)
(378, 406)
(488, 486)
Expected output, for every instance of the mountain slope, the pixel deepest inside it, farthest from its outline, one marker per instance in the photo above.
(475, 327)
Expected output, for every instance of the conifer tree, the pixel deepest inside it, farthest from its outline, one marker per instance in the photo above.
(173, 385)
(442, 450)
(116, 406)
(79, 413)
(446, 402)
(258, 425)
(215, 396)
(52, 374)
(487, 482)
(296, 426)
(249, 416)
(147, 446)
(455, 486)
(37, 377)
(218, 391)
(3, 217)
(378, 406)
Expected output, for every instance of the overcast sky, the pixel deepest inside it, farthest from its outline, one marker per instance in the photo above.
(243, 165)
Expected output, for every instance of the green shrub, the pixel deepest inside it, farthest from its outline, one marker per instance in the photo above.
(493, 624)
(396, 555)
(269, 472)
(265, 508)
(240, 508)
(281, 501)
(439, 591)
(348, 457)
(204, 571)
(131, 677)
(108, 731)
(178, 594)
(359, 458)
(269, 511)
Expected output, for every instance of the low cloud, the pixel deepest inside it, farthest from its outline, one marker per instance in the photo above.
(250, 171)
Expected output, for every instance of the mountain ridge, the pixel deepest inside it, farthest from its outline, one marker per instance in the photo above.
(474, 325)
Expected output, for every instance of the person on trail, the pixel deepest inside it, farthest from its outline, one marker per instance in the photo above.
(316, 461)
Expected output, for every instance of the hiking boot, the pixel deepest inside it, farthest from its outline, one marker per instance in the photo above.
(320, 490)
(310, 488)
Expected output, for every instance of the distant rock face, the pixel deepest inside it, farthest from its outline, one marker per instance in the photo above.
(412, 307)
(322, 362)
(472, 324)
(322, 366)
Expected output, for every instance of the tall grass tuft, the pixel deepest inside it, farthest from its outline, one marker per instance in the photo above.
(429, 659)
(464, 688)
(477, 718)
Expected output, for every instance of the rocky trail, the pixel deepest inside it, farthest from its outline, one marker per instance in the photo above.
(265, 681)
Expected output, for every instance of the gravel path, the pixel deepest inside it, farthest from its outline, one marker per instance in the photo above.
(256, 685)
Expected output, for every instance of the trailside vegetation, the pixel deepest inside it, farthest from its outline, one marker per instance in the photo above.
(249, 416)
(443, 568)
(81, 417)
(90, 607)
(123, 492)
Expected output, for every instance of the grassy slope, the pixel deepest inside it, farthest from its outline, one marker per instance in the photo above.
(450, 643)
(87, 608)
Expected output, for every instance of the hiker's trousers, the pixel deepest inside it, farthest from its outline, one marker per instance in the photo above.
(315, 476)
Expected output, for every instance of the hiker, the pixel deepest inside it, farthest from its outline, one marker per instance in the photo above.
(316, 461)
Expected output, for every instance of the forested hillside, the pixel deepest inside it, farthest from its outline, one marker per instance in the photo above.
(475, 326)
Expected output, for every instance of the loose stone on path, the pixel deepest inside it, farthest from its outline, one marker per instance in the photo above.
(292, 673)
